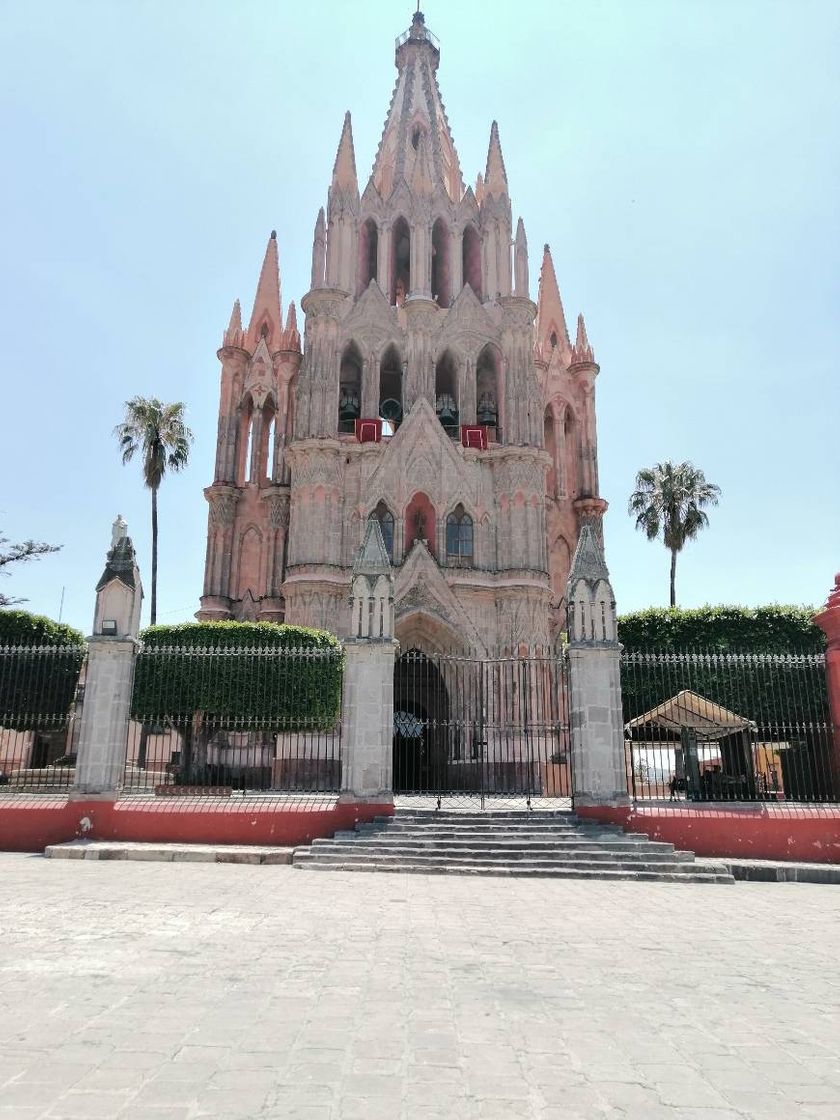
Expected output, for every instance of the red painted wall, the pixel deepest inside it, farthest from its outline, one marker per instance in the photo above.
(29, 825)
(806, 833)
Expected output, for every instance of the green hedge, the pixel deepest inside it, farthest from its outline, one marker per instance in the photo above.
(37, 689)
(724, 629)
(20, 628)
(237, 687)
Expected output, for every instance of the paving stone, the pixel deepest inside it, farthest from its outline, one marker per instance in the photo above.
(181, 990)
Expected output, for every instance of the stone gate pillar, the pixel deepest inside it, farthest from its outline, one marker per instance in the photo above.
(828, 621)
(112, 649)
(368, 700)
(597, 723)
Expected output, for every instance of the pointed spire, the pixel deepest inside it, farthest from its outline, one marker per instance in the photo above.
(520, 262)
(234, 336)
(319, 250)
(552, 332)
(495, 178)
(588, 562)
(344, 170)
(290, 338)
(582, 351)
(479, 189)
(267, 316)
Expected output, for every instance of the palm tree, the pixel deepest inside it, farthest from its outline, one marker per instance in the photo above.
(158, 432)
(670, 499)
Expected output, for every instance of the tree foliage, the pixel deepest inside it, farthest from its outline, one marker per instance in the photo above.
(20, 554)
(670, 501)
(723, 629)
(229, 674)
(157, 432)
(40, 662)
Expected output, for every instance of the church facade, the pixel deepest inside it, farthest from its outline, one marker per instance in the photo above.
(430, 392)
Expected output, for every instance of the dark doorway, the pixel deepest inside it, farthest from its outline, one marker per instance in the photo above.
(421, 725)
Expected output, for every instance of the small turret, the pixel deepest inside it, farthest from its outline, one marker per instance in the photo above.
(495, 178)
(267, 315)
(372, 589)
(552, 332)
(319, 250)
(582, 352)
(344, 169)
(234, 335)
(592, 618)
(520, 269)
(290, 338)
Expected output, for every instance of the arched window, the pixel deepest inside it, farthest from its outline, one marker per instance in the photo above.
(270, 429)
(368, 254)
(419, 522)
(551, 448)
(471, 259)
(459, 537)
(571, 465)
(245, 443)
(446, 394)
(487, 392)
(386, 523)
(441, 278)
(400, 262)
(390, 391)
(350, 389)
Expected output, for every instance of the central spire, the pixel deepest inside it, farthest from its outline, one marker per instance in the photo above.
(417, 128)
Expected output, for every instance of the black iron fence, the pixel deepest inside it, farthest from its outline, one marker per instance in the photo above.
(219, 720)
(728, 727)
(41, 689)
(471, 729)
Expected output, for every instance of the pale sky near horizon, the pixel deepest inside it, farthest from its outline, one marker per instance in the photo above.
(682, 157)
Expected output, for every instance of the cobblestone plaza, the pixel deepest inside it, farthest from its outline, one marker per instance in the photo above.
(168, 992)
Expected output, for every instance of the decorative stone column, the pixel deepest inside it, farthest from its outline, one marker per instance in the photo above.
(112, 649)
(597, 724)
(828, 621)
(368, 701)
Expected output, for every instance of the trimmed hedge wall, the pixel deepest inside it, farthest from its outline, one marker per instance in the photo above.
(20, 628)
(37, 689)
(725, 629)
(237, 687)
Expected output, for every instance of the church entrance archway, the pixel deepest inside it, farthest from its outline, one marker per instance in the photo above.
(421, 725)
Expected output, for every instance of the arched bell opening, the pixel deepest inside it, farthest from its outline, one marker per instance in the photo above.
(441, 272)
(349, 390)
(446, 394)
(390, 391)
(487, 392)
(368, 254)
(570, 439)
(471, 259)
(421, 725)
(400, 262)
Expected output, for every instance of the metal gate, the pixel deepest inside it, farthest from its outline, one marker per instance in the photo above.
(482, 732)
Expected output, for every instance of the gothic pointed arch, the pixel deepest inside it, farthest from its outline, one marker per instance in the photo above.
(385, 517)
(441, 270)
(471, 258)
(390, 389)
(400, 261)
(447, 397)
(368, 254)
(350, 388)
(460, 542)
(488, 390)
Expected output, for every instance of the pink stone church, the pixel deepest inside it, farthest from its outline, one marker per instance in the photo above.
(430, 393)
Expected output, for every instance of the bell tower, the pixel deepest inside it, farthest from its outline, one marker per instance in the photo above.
(431, 395)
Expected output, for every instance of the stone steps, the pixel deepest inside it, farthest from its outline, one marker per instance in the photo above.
(528, 844)
(169, 853)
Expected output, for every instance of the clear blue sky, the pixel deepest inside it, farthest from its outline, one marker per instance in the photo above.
(681, 156)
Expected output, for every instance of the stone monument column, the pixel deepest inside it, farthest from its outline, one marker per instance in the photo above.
(597, 723)
(112, 649)
(368, 699)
